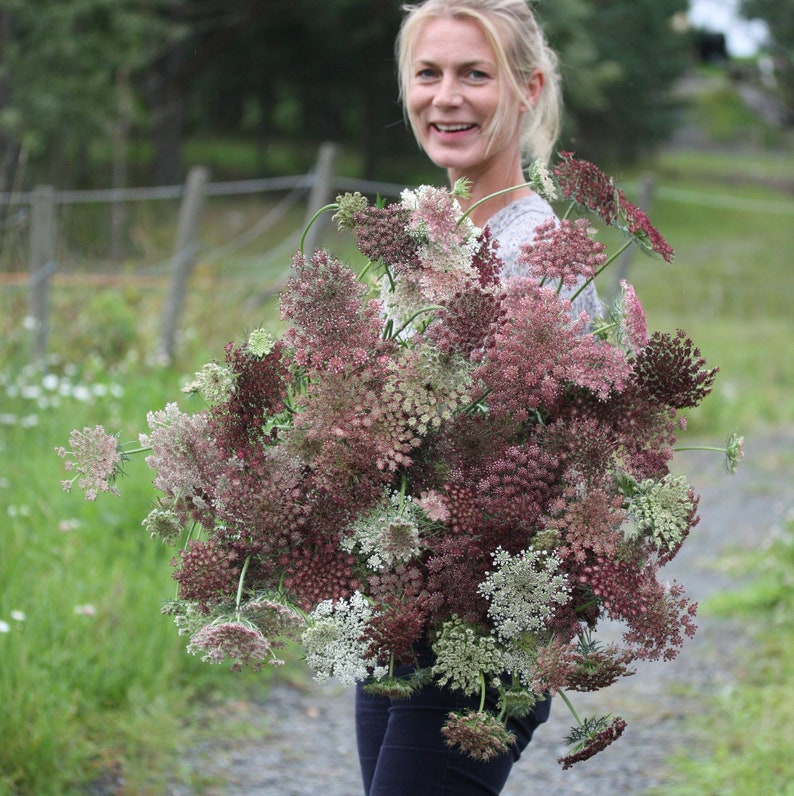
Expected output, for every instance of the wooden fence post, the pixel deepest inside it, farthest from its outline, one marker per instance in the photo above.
(183, 260)
(42, 266)
(320, 194)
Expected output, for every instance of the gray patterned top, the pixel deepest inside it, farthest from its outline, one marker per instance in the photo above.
(513, 226)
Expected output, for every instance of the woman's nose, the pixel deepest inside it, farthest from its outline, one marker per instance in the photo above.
(447, 93)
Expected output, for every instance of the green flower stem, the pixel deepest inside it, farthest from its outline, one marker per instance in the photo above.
(609, 262)
(424, 310)
(569, 211)
(482, 692)
(700, 448)
(491, 196)
(403, 489)
(365, 270)
(240, 584)
(143, 449)
(325, 209)
(568, 702)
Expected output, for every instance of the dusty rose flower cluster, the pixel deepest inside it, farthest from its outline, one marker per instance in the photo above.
(433, 458)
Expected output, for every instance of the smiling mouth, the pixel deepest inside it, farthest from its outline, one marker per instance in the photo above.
(453, 128)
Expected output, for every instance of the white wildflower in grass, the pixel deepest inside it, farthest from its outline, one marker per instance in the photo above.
(523, 592)
(334, 642)
(386, 535)
(4, 626)
(662, 510)
(85, 610)
(214, 383)
(18, 616)
(464, 655)
(260, 343)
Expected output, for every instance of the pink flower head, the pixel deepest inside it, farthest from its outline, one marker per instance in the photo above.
(333, 327)
(563, 252)
(244, 645)
(479, 734)
(634, 321)
(434, 217)
(96, 457)
(185, 458)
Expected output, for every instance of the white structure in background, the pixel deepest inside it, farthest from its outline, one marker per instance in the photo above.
(743, 37)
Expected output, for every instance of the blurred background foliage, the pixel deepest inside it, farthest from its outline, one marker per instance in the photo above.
(101, 91)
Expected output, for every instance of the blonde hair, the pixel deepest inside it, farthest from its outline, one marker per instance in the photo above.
(520, 47)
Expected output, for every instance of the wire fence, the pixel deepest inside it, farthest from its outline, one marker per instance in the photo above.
(235, 228)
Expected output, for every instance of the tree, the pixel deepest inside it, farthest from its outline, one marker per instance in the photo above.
(620, 60)
(60, 72)
(779, 17)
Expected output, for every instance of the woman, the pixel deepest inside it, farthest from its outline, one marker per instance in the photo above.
(481, 91)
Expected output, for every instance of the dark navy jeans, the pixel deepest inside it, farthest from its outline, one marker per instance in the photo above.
(402, 752)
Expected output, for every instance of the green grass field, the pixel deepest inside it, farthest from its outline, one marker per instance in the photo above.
(93, 679)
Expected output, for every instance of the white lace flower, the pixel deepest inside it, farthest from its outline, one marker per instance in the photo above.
(334, 643)
(523, 591)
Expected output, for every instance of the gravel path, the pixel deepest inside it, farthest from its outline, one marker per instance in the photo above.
(301, 741)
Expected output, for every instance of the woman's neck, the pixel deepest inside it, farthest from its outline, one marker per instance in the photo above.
(487, 184)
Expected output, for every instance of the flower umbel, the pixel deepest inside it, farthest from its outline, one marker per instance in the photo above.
(97, 458)
(479, 734)
(437, 467)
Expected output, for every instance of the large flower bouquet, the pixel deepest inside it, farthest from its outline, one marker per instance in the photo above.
(434, 457)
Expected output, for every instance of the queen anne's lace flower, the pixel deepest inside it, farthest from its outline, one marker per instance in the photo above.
(664, 510)
(386, 535)
(334, 641)
(522, 591)
(464, 656)
(244, 645)
(214, 382)
(433, 452)
(96, 457)
(477, 733)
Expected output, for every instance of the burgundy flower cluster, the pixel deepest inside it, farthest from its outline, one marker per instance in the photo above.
(584, 183)
(418, 460)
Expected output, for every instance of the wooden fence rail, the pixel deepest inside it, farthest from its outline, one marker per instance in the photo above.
(319, 185)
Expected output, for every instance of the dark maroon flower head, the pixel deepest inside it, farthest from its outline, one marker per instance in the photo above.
(259, 391)
(584, 183)
(396, 628)
(314, 575)
(464, 321)
(672, 370)
(206, 572)
(486, 259)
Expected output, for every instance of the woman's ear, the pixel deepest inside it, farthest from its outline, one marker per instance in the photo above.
(533, 88)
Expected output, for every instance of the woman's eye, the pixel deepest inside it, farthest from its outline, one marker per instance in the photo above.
(426, 74)
(476, 74)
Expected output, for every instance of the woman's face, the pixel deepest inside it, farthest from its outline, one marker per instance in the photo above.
(452, 96)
